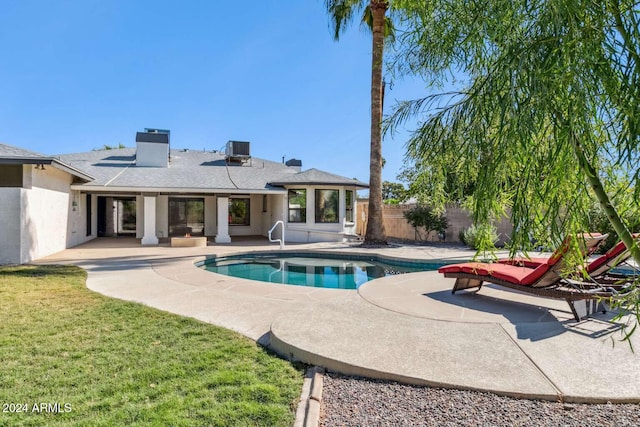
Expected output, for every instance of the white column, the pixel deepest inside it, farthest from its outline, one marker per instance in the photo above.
(210, 216)
(149, 237)
(223, 221)
(342, 207)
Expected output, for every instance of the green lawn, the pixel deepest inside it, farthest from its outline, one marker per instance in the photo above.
(109, 362)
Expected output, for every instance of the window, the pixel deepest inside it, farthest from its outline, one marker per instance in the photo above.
(186, 216)
(326, 206)
(297, 205)
(239, 212)
(349, 206)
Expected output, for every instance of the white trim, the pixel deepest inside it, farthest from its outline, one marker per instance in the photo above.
(172, 190)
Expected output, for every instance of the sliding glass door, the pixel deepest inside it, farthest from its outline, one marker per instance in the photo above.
(186, 216)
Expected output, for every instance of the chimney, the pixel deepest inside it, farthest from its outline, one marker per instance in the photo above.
(294, 163)
(152, 148)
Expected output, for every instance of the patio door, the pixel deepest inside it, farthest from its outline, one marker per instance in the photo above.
(186, 216)
(125, 216)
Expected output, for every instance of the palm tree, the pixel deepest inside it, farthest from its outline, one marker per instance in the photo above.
(340, 13)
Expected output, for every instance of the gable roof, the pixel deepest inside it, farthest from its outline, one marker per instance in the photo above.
(318, 177)
(19, 156)
(192, 171)
(9, 151)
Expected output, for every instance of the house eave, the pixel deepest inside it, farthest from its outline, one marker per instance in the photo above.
(321, 183)
(46, 161)
(184, 190)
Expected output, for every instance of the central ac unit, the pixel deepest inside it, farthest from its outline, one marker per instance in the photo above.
(238, 149)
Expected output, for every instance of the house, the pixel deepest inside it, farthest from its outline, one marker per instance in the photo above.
(153, 192)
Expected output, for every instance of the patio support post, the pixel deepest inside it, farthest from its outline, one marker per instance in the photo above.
(223, 220)
(149, 237)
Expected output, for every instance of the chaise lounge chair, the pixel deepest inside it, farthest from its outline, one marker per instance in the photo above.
(543, 280)
(596, 268)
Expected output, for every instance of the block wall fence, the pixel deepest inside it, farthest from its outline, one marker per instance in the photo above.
(397, 226)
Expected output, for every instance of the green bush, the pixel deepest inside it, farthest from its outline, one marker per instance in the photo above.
(480, 237)
(461, 236)
(599, 223)
(424, 217)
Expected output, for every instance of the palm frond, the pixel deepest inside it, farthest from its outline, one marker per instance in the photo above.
(341, 13)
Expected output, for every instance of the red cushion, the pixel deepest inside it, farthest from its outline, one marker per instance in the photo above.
(597, 263)
(616, 250)
(519, 275)
(467, 267)
(479, 268)
(453, 268)
(532, 262)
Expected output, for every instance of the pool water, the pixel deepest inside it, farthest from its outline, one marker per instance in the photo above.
(313, 271)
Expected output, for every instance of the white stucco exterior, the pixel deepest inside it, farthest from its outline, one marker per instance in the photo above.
(151, 154)
(48, 204)
(43, 217)
(10, 217)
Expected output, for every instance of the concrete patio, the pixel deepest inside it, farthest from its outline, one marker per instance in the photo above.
(407, 328)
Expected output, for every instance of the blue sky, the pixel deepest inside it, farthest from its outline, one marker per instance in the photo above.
(77, 75)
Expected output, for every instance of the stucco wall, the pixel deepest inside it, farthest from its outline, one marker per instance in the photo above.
(46, 222)
(276, 213)
(77, 219)
(152, 154)
(10, 225)
(50, 222)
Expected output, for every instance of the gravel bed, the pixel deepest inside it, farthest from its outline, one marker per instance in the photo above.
(351, 401)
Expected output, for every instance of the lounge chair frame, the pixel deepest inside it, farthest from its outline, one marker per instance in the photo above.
(559, 290)
(550, 285)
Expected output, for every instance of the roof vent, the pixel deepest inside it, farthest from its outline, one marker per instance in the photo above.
(238, 150)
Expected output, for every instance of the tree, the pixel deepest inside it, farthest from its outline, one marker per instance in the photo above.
(340, 13)
(393, 191)
(110, 147)
(421, 216)
(549, 114)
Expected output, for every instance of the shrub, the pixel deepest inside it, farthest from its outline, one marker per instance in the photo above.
(598, 222)
(480, 237)
(461, 236)
(424, 217)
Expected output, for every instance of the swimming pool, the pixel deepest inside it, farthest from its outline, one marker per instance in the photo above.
(311, 269)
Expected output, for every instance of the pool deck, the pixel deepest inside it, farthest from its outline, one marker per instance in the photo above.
(408, 328)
